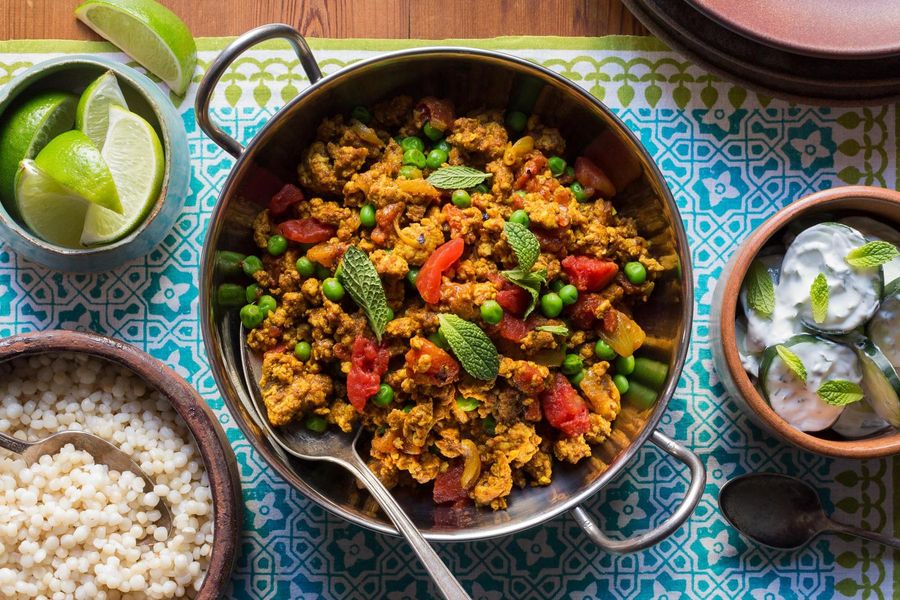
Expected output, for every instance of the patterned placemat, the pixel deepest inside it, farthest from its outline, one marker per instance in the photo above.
(731, 157)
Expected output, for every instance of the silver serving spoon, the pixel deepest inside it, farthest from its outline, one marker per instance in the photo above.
(340, 448)
(782, 512)
(102, 451)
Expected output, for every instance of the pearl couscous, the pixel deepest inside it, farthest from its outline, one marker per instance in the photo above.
(73, 529)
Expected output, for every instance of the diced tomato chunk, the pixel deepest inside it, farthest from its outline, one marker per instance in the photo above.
(438, 112)
(589, 274)
(593, 178)
(514, 299)
(442, 368)
(564, 408)
(448, 485)
(549, 240)
(368, 362)
(285, 198)
(529, 170)
(584, 312)
(511, 328)
(306, 231)
(428, 281)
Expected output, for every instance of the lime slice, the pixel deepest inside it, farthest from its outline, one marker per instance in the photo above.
(49, 210)
(27, 129)
(92, 115)
(135, 158)
(149, 33)
(75, 162)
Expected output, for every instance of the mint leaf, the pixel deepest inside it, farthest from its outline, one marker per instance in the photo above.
(472, 347)
(873, 254)
(524, 244)
(360, 279)
(818, 298)
(839, 392)
(554, 329)
(792, 361)
(456, 178)
(530, 281)
(760, 289)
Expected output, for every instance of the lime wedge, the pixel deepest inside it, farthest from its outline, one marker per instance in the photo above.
(149, 33)
(49, 210)
(27, 129)
(75, 162)
(92, 115)
(135, 158)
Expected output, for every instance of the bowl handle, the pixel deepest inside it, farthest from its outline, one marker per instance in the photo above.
(668, 527)
(228, 56)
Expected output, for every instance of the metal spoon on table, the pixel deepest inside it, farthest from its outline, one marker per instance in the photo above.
(102, 451)
(782, 512)
(340, 448)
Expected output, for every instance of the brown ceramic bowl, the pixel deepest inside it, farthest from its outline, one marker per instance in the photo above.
(218, 457)
(878, 203)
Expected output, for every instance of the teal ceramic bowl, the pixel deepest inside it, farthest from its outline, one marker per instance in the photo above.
(73, 74)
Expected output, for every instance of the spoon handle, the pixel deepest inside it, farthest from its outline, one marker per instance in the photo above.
(13, 444)
(447, 584)
(881, 538)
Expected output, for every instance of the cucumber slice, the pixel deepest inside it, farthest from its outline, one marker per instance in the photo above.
(880, 382)
(875, 230)
(854, 293)
(782, 324)
(884, 328)
(797, 402)
(859, 420)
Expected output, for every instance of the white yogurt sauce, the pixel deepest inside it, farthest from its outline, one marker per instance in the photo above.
(884, 329)
(796, 402)
(873, 230)
(852, 291)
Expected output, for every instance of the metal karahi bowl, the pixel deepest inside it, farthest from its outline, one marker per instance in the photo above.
(472, 79)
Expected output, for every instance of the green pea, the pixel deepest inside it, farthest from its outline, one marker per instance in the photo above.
(490, 424)
(443, 145)
(409, 172)
(521, 193)
(390, 314)
(277, 245)
(361, 114)
(316, 423)
(412, 143)
(367, 215)
(621, 383)
(461, 199)
(482, 189)
(576, 378)
(435, 159)
(322, 272)
(230, 295)
(414, 158)
(333, 289)
(305, 266)
(635, 272)
(229, 264)
(302, 350)
(267, 304)
(412, 275)
(603, 351)
(571, 364)
(516, 121)
(491, 312)
(408, 408)
(251, 265)
(568, 294)
(551, 305)
(557, 165)
(625, 365)
(251, 293)
(520, 217)
(430, 132)
(578, 191)
(384, 395)
(251, 316)
(570, 171)
(437, 338)
(557, 284)
(467, 404)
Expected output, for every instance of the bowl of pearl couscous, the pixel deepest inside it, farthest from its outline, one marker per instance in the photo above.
(72, 528)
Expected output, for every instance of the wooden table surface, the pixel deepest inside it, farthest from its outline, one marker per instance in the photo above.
(423, 19)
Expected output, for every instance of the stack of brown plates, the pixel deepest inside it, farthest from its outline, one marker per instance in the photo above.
(821, 51)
